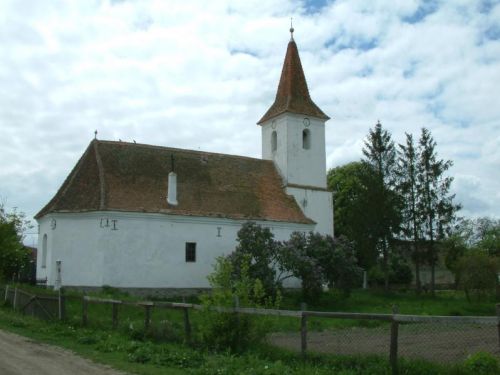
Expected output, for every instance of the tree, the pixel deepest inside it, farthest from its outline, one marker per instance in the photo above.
(316, 260)
(407, 185)
(13, 256)
(351, 184)
(380, 155)
(257, 246)
(478, 274)
(435, 204)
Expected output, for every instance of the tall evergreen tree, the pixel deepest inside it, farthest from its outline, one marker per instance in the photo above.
(436, 203)
(407, 183)
(351, 184)
(380, 155)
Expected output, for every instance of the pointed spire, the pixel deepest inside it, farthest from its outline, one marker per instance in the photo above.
(293, 94)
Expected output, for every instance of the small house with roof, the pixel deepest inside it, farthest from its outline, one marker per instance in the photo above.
(143, 217)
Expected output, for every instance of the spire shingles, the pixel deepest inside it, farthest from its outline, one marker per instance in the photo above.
(293, 94)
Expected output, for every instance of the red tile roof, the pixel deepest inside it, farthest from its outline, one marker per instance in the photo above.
(293, 94)
(120, 176)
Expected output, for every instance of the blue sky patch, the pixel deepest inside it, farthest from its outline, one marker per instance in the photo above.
(313, 6)
(492, 33)
(426, 8)
(485, 6)
(341, 43)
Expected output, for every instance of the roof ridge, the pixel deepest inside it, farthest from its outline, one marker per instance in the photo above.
(102, 185)
(144, 145)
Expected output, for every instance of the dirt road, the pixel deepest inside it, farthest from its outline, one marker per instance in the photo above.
(22, 356)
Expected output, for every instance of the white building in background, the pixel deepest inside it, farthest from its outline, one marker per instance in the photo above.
(145, 217)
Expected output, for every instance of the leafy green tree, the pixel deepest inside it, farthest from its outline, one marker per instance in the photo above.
(478, 274)
(384, 203)
(351, 184)
(435, 205)
(14, 257)
(407, 186)
(257, 245)
(317, 260)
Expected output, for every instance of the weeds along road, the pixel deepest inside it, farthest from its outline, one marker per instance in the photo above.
(22, 356)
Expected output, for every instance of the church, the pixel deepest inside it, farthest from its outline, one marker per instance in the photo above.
(148, 218)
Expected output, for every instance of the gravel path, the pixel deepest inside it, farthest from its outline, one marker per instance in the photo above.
(22, 356)
(445, 344)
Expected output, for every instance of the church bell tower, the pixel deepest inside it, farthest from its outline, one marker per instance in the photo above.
(293, 136)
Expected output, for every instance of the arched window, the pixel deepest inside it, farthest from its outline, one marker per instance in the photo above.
(274, 141)
(44, 251)
(306, 139)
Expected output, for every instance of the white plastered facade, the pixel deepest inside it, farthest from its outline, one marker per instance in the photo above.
(140, 250)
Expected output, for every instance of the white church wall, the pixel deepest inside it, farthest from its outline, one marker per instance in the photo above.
(140, 250)
(317, 205)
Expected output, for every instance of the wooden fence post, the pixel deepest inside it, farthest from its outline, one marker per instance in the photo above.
(236, 306)
(187, 324)
(303, 330)
(498, 325)
(147, 316)
(14, 304)
(61, 304)
(85, 308)
(115, 315)
(393, 356)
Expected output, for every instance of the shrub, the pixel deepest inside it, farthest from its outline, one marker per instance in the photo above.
(228, 331)
(482, 363)
(399, 273)
(477, 274)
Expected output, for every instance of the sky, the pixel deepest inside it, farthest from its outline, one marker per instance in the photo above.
(200, 74)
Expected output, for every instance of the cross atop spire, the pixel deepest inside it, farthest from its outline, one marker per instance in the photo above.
(291, 28)
(293, 94)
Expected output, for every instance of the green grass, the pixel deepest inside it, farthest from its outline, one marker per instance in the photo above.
(162, 351)
(149, 357)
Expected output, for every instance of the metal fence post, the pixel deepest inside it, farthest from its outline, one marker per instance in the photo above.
(303, 330)
(393, 356)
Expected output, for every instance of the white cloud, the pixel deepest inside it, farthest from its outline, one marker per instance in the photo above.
(200, 74)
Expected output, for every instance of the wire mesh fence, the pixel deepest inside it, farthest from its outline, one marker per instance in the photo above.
(437, 339)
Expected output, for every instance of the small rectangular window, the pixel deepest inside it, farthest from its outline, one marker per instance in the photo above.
(190, 251)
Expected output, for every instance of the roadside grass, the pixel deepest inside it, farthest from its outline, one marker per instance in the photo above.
(149, 356)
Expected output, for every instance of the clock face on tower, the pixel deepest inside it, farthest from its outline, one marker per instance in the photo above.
(53, 223)
(306, 122)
